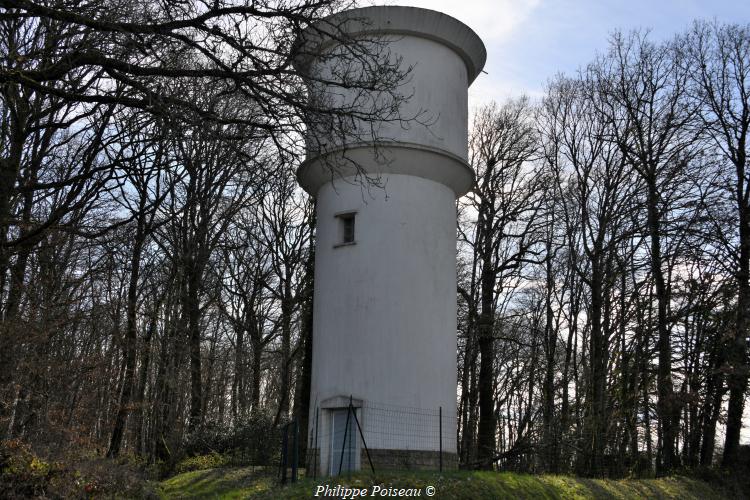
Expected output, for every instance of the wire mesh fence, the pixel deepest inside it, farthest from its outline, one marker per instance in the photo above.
(250, 442)
(347, 435)
(290, 449)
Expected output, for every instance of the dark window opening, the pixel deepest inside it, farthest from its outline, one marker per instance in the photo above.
(348, 229)
(346, 224)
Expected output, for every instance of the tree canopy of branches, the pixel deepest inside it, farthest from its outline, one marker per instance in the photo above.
(618, 343)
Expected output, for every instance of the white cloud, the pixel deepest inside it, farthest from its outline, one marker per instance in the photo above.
(493, 20)
(496, 22)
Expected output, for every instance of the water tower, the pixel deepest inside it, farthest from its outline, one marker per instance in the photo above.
(384, 327)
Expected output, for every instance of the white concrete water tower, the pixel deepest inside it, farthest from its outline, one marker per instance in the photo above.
(384, 327)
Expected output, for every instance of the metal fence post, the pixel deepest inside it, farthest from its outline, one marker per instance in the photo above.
(361, 435)
(317, 451)
(284, 450)
(343, 445)
(440, 432)
(295, 450)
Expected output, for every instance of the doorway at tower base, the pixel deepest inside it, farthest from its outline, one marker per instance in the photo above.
(342, 435)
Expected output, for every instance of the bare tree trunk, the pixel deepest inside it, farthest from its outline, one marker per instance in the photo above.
(238, 381)
(10, 165)
(468, 396)
(255, 372)
(286, 360)
(737, 378)
(594, 432)
(130, 340)
(304, 382)
(665, 402)
(548, 389)
(192, 309)
(138, 399)
(569, 353)
(712, 404)
(468, 373)
(486, 383)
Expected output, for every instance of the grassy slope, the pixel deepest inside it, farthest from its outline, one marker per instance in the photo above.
(244, 483)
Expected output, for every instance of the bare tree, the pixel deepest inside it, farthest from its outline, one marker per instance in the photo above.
(644, 97)
(142, 162)
(719, 63)
(507, 198)
(596, 195)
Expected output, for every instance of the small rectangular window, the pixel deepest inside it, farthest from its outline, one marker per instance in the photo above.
(346, 228)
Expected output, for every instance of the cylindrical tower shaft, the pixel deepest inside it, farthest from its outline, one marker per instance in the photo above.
(384, 329)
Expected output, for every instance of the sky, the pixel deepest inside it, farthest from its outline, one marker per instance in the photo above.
(529, 41)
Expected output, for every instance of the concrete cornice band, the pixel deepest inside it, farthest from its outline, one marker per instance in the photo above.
(396, 20)
(374, 160)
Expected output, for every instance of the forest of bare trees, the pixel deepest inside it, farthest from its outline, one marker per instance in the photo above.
(155, 250)
(604, 264)
(156, 253)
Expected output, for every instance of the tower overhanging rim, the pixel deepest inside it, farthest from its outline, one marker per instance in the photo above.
(396, 20)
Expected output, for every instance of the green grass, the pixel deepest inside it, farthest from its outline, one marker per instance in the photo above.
(225, 482)
(232, 483)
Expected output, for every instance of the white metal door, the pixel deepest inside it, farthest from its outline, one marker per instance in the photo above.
(349, 460)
